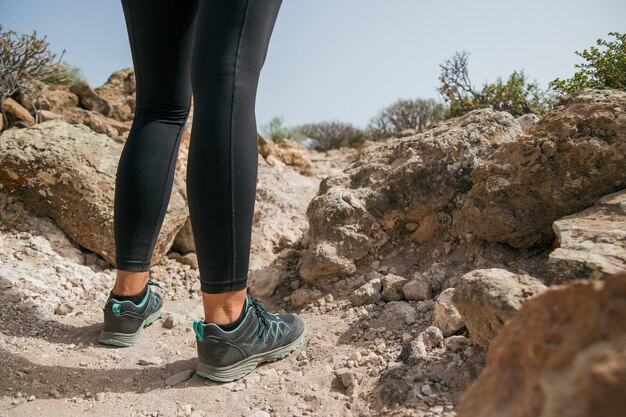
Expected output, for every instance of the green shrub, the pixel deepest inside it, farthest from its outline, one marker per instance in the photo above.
(515, 95)
(604, 67)
(277, 131)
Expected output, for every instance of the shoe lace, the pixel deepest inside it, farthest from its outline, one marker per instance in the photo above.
(156, 284)
(262, 314)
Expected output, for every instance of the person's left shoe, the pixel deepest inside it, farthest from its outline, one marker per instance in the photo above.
(125, 320)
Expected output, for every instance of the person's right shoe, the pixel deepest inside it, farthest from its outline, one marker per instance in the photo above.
(225, 356)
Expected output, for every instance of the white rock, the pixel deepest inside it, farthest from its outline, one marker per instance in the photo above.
(368, 293)
(445, 314)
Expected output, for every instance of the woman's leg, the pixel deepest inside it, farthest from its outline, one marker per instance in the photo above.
(231, 42)
(161, 36)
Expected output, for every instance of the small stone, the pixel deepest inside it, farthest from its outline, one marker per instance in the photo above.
(190, 259)
(445, 314)
(356, 356)
(437, 409)
(302, 296)
(31, 398)
(427, 390)
(179, 377)
(171, 321)
(153, 360)
(63, 309)
(259, 413)
(302, 356)
(100, 396)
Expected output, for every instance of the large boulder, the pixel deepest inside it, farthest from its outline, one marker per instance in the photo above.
(403, 187)
(487, 298)
(592, 244)
(572, 157)
(562, 355)
(67, 172)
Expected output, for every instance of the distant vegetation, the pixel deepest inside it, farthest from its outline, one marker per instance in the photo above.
(515, 95)
(604, 66)
(26, 57)
(333, 134)
(416, 114)
(276, 131)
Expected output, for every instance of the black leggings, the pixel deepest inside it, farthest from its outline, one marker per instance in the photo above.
(215, 48)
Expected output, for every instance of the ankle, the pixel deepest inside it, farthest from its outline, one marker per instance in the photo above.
(130, 283)
(223, 308)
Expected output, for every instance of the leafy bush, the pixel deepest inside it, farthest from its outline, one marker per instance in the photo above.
(404, 114)
(333, 134)
(516, 95)
(73, 73)
(277, 131)
(603, 67)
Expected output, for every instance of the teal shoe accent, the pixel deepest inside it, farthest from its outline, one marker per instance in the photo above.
(125, 320)
(197, 328)
(261, 337)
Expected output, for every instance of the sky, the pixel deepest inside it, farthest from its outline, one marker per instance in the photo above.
(347, 59)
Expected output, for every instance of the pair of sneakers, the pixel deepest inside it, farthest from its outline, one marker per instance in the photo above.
(223, 355)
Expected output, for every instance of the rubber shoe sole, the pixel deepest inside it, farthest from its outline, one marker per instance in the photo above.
(126, 339)
(246, 366)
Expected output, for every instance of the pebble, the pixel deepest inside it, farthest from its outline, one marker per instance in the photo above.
(259, 413)
(438, 409)
(171, 321)
(187, 408)
(153, 360)
(179, 377)
(427, 390)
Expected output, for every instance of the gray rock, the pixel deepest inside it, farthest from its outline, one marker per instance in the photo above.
(395, 311)
(417, 290)
(179, 377)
